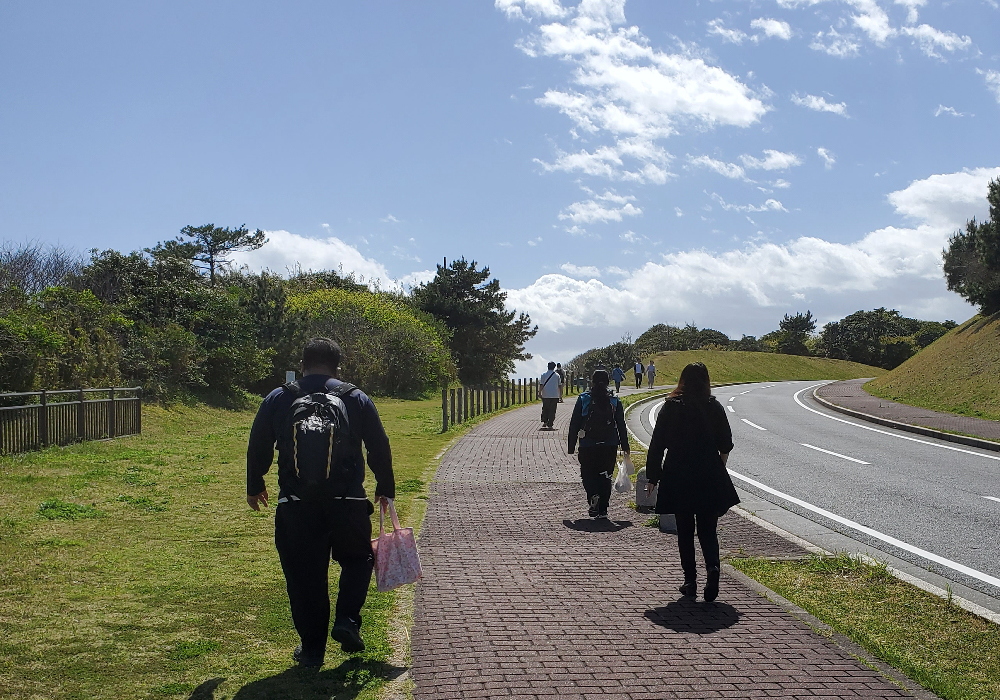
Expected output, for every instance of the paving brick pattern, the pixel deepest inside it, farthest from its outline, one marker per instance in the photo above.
(525, 597)
(851, 394)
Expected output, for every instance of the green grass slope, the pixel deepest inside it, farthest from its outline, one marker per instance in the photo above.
(725, 366)
(958, 373)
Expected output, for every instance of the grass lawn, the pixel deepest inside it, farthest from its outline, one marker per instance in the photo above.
(729, 367)
(941, 646)
(134, 569)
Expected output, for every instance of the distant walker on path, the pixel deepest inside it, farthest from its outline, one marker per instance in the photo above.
(692, 430)
(639, 370)
(319, 424)
(651, 373)
(550, 389)
(598, 422)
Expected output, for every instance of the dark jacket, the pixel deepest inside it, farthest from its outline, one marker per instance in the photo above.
(692, 477)
(579, 419)
(271, 427)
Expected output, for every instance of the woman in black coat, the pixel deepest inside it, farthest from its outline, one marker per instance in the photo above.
(693, 430)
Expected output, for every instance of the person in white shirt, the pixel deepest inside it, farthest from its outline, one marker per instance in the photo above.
(650, 373)
(549, 388)
(639, 370)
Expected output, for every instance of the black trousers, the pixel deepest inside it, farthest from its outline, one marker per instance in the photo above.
(597, 468)
(308, 535)
(638, 380)
(708, 537)
(549, 411)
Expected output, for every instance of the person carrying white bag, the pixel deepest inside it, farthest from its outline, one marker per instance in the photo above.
(598, 425)
(396, 560)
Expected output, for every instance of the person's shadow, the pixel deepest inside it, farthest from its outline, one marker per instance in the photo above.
(602, 525)
(694, 617)
(343, 682)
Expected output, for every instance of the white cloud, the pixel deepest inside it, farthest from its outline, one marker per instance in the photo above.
(525, 9)
(992, 81)
(768, 205)
(836, 44)
(872, 20)
(773, 28)
(601, 209)
(931, 39)
(678, 212)
(941, 109)
(828, 158)
(819, 104)
(772, 160)
(285, 251)
(912, 14)
(580, 271)
(901, 265)
(632, 237)
(781, 184)
(390, 219)
(733, 36)
(608, 162)
(730, 170)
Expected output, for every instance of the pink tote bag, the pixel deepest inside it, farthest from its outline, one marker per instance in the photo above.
(396, 559)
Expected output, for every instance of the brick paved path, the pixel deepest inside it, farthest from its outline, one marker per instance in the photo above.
(851, 394)
(525, 597)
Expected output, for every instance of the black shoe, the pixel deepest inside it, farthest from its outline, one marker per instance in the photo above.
(594, 506)
(306, 661)
(349, 635)
(601, 516)
(712, 585)
(690, 588)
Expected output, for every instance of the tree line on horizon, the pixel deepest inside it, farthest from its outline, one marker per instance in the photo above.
(183, 323)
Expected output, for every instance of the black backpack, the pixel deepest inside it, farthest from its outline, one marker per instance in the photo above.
(324, 454)
(599, 424)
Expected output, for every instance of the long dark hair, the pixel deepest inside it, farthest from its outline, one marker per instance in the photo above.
(694, 382)
(599, 381)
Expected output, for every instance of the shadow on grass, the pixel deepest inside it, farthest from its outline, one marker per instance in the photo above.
(591, 525)
(345, 682)
(687, 615)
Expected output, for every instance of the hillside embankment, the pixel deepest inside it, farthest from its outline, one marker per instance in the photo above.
(727, 366)
(958, 373)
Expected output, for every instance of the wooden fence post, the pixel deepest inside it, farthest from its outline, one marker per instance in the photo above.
(112, 415)
(81, 421)
(451, 395)
(444, 410)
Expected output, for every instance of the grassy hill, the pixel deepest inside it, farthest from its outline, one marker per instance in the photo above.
(732, 366)
(959, 372)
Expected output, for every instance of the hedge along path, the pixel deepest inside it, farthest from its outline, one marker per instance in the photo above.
(524, 596)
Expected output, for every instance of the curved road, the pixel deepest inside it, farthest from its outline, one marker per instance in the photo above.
(928, 502)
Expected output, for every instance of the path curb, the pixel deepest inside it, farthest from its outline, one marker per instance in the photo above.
(919, 429)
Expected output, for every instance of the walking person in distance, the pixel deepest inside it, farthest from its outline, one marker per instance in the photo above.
(688, 451)
(651, 373)
(598, 422)
(618, 376)
(550, 389)
(562, 380)
(639, 369)
(319, 424)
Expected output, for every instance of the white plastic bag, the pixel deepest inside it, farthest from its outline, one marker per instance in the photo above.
(396, 559)
(625, 468)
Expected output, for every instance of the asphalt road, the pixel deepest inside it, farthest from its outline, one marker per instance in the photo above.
(929, 502)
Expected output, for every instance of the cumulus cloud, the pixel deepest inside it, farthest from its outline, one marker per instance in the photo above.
(737, 290)
(768, 205)
(930, 40)
(730, 170)
(872, 20)
(941, 109)
(580, 271)
(389, 219)
(774, 28)
(528, 9)
(828, 158)
(733, 36)
(601, 209)
(912, 14)
(992, 81)
(819, 104)
(609, 161)
(772, 160)
(286, 251)
(833, 43)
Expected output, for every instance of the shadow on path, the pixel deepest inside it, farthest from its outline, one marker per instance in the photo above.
(344, 682)
(591, 525)
(686, 615)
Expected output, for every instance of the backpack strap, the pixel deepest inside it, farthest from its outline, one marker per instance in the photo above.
(293, 388)
(342, 390)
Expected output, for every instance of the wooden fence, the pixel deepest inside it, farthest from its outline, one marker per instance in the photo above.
(38, 419)
(464, 403)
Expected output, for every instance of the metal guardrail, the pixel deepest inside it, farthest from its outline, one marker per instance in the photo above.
(464, 403)
(33, 420)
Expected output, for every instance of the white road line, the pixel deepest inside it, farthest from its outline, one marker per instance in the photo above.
(992, 498)
(745, 392)
(731, 409)
(835, 454)
(753, 425)
(961, 568)
(886, 432)
(732, 398)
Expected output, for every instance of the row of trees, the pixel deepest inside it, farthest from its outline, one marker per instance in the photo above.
(882, 337)
(178, 320)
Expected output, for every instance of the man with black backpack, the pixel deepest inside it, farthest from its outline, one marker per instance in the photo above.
(319, 424)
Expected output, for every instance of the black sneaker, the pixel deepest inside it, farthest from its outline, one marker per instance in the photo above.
(690, 588)
(601, 516)
(348, 634)
(306, 661)
(712, 585)
(594, 507)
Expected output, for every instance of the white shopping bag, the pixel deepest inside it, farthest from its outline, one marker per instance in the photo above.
(625, 468)
(396, 559)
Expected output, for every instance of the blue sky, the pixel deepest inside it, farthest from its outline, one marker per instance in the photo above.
(615, 164)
